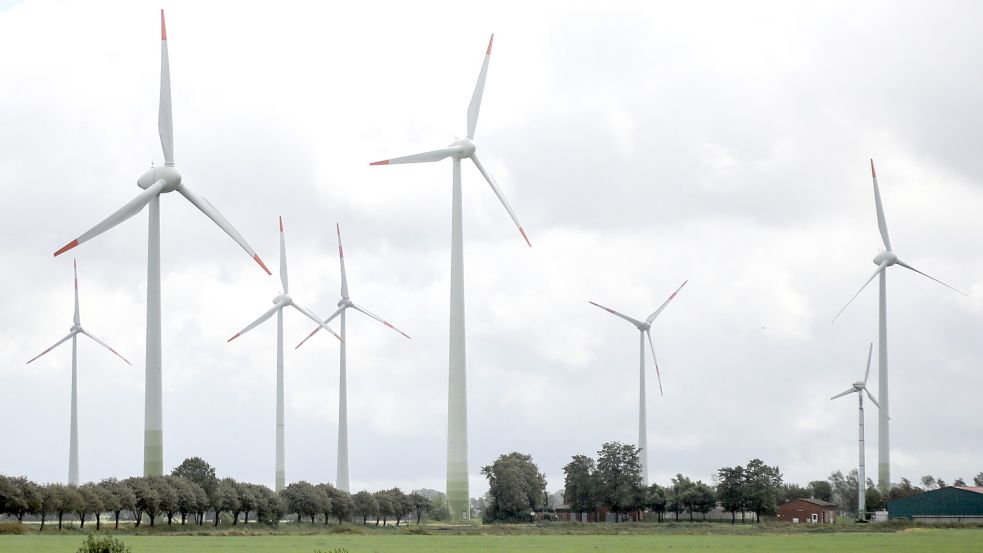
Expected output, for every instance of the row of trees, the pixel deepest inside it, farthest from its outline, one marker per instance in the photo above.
(193, 491)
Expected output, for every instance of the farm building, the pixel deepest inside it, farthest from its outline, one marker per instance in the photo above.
(949, 504)
(813, 511)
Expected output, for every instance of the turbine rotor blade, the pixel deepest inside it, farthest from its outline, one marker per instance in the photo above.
(906, 266)
(841, 394)
(341, 258)
(877, 272)
(501, 196)
(613, 312)
(664, 304)
(283, 261)
(433, 155)
(479, 87)
(376, 317)
(870, 353)
(58, 343)
(317, 320)
(318, 328)
(165, 126)
(869, 395)
(881, 222)
(130, 209)
(209, 210)
(107, 346)
(655, 361)
(77, 319)
(258, 321)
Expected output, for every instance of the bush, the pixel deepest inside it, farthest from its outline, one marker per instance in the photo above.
(12, 528)
(103, 544)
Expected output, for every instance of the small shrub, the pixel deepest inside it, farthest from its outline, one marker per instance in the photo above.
(103, 544)
(418, 531)
(338, 550)
(12, 528)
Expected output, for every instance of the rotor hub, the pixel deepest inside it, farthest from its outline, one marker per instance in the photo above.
(890, 257)
(167, 173)
(282, 299)
(344, 302)
(466, 148)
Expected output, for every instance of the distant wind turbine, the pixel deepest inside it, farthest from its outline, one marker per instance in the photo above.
(860, 388)
(884, 260)
(458, 497)
(644, 330)
(279, 303)
(342, 476)
(73, 440)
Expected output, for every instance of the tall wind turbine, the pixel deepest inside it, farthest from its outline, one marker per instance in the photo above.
(458, 498)
(342, 478)
(281, 301)
(884, 260)
(644, 331)
(73, 440)
(157, 181)
(860, 388)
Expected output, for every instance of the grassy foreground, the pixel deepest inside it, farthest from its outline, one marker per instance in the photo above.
(902, 541)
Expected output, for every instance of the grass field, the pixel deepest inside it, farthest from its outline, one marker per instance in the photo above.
(909, 540)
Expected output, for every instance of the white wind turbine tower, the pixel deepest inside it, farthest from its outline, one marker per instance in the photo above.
(644, 331)
(884, 260)
(458, 498)
(279, 303)
(860, 388)
(73, 443)
(342, 477)
(157, 181)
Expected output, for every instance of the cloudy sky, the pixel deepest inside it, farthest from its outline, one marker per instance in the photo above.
(641, 144)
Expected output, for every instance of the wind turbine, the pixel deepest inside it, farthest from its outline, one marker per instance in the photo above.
(884, 260)
(860, 388)
(157, 181)
(73, 440)
(342, 480)
(458, 497)
(281, 301)
(644, 331)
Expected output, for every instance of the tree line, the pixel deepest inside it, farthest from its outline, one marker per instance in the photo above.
(193, 490)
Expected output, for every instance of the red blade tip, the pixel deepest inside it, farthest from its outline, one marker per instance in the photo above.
(872, 171)
(490, 40)
(523, 232)
(232, 338)
(281, 224)
(163, 29)
(261, 264)
(383, 162)
(67, 247)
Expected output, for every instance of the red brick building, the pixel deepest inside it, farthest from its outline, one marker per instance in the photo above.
(812, 511)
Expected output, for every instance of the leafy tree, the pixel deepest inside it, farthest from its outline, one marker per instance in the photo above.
(655, 500)
(402, 504)
(68, 501)
(198, 471)
(91, 503)
(187, 499)
(341, 503)
(515, 486)
(325, 492)
(822, 490)
(364, 505)
(788, 492)
(929, 482)
(978, 480)
(50, 500)
(903, 490)
(269, 506)
(731, 491)
(302, 498)
(845, 490)
(873, 500)
(19, 496)
(167, 495)
(619, 477)
(245, 502)
(959, 482)
(580, 484)
(677, 496)
(385, 506)
(763, 483)
(147, 499)
(421, 504)
(700, 498)
(116, 497)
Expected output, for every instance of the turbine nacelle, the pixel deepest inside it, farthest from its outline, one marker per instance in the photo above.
(76, 329)
(345, 302)
(167, 173)
(888, 257)
(465, 148)
(282, 300)
(859, 386)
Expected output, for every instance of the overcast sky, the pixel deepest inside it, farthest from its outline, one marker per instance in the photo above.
(640, 144)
